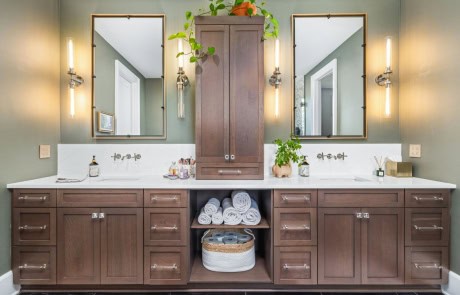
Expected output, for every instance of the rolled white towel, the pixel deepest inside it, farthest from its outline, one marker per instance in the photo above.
(212, 206)
(241, 201)
(204, 218)
(230, 214)
(218, 217)
(252, 216)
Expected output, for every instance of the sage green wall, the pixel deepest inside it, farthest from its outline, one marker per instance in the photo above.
(430, 85)
(29, 98)
(383, 16)
(349, 57)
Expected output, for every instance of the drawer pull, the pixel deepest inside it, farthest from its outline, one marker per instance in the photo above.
(229, 172)
(433, 198)
(302, 227)
(165, 198)
(359, 215)
(28, 227)
(33, 267)
(29, 198)
(434, 227)
(432, 266)
(163, 228)
(287, 267)
(366, 216)
(164, 267)
(287, 199)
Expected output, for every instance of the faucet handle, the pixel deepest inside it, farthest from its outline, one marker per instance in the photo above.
(137, 156)
(116, 156)
(320, 156)
(341, 156)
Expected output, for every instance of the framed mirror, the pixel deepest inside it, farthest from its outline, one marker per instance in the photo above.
(128, 77)
(329, 87)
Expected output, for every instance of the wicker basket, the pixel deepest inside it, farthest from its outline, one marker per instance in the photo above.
(228, 258)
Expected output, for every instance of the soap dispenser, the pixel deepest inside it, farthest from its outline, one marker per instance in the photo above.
(93, 168)
(304, 167)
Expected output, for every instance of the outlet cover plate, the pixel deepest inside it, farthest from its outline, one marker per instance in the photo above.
(44, 151)
(415, 150)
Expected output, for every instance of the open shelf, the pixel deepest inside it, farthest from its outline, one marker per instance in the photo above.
(258, 274)
(262, 225)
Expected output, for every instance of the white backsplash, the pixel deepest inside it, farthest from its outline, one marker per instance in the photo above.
(73, 159)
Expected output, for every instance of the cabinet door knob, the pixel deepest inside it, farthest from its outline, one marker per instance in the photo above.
(227, 157)
(101, 215)
(366, 216)
(232, 157)
(94, 216)
(359, 215)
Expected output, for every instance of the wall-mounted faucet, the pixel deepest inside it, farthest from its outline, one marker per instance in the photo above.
(329, 156)
(117, 156)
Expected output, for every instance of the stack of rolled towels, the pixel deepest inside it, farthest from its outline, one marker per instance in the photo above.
(240, 208)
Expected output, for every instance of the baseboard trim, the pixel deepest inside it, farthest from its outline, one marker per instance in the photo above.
(453, 287)
(6, 285)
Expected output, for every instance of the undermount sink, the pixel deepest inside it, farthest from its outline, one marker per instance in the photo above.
(345, 179)
(119, 178)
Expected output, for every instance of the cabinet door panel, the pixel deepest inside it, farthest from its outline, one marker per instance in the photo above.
(246, 93)
(212, 96)
(78, 246)
(339, 243)
(122, 246)
(382, 259)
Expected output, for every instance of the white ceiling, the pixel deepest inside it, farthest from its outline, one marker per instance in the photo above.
(138, 39)
(317, 37)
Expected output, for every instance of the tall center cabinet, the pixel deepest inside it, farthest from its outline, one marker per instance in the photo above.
(230, 98)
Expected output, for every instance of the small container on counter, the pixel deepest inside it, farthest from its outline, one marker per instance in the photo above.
(304, 167)
(93, 168)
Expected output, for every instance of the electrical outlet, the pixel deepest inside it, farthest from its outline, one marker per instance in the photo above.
(44, 151)
(415, 150)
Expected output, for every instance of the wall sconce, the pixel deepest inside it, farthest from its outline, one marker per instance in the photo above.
(385, 78)
(75, 80)
(182, 82)
(275, 79)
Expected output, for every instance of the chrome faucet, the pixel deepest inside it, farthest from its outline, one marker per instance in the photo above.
(134, 156)
(330, 156)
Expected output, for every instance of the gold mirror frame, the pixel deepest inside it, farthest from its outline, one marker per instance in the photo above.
(93, 108)
(328, 15)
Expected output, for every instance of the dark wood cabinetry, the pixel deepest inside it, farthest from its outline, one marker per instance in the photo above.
(230, 99)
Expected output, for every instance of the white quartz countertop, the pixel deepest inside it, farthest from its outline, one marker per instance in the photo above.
(270, 182)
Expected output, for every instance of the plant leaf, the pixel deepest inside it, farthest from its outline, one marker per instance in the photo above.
(250, 11)
(179, 54)
(221, 6)
(238, 2)
(211, 50)
(188, 15)
(193, 59)
(186, 26)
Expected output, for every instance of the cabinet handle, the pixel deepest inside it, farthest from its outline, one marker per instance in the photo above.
(232, 157)
(164, 228)
(28, 227)
(33, 267)
(229, 172)
(287, 198)
(227, 157)
(101, 215)
(366, 216)
(434, 227)
(359, 215)
(163, 267)
(287, 267)
(433, 198)
(165, 198)
(302, 227)
(28, 198)
(94, 216)
(432, 266)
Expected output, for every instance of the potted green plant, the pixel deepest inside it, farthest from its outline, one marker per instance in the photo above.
(285, 155)
(220, 7)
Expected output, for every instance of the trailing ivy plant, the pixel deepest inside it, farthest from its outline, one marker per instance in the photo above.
(215, 8)
(287, 151)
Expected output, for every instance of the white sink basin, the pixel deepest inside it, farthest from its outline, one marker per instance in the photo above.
(119, 178)
(345, 179)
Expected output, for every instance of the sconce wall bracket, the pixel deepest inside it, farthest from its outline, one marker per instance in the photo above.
(182, 79)
(385, 78)
(75, 80)
(275, 79)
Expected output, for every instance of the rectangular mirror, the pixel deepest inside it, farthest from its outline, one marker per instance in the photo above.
(329, 76)
(128, 77)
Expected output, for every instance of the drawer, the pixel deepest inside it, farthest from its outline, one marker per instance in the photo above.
(35, 198)
(427, 227)
(90, 198)
(230, 171)
(295, 198)
(165, 227)
(427, 265)
(295, 226)
(427, 198)
(166, 198)
(361, 198)
(34, 226)
(165, 266)
(296, 265)
(34, 265)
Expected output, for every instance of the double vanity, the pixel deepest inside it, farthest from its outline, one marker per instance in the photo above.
(317, 233)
